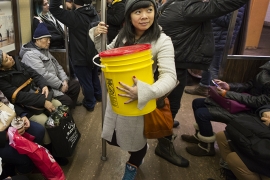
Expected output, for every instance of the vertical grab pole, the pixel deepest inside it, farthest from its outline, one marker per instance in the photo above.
(103, 81)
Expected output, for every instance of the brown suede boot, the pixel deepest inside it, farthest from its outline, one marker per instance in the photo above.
(198, 90)
(204, 148)
(192, 138)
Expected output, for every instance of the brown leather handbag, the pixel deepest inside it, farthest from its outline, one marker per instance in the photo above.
(159, 123)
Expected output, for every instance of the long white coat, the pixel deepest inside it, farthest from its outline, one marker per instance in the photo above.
(129, 129)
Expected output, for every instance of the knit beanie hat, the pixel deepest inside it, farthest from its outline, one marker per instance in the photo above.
(130, 3)
(41, 31)
(79, 2)
(1, 57)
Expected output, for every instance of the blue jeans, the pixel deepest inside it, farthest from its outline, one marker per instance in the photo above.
(22, 162)
(90, 84)
(203, 117)
(176, 95)
(213, 70)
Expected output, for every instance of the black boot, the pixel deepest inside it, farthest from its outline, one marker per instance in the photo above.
(165, 149)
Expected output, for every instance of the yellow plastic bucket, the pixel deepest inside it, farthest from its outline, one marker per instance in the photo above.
(120, 65)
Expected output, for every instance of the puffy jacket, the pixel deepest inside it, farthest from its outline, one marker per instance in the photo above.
(221, 25)
(258, 90)
(77, 22)
(45, 64)
(188, 23)
(12, 79)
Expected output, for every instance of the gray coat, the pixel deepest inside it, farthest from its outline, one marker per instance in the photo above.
(129, 129)
(45, 64)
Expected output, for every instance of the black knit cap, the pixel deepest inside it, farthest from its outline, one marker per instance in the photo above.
(130, 3)
(79, 2)
(41, 31)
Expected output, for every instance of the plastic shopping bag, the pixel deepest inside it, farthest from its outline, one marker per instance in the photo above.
(40, 156)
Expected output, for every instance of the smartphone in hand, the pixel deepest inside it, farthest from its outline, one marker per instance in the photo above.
(215, 83)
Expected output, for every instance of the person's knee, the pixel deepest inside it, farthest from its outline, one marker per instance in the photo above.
(220, 136)
(56, 103)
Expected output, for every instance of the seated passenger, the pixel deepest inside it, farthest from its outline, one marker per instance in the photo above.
(36, 55)
(206, 110)
(9, 155)
(244, 166)
(14, 74)
(42, 14)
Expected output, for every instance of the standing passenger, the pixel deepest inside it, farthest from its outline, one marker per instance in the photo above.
(127, 131)
(78, 22)
(188, 23)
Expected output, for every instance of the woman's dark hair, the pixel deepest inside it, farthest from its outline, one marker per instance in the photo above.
(37, 7)
(128, 30)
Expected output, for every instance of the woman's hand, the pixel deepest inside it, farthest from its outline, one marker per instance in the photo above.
(131, 92)
(21, 131)
(221, 91)
(49, 106)
(222, 84)
(26, 122)
(266, 118)
(101, 28)
(45, 91)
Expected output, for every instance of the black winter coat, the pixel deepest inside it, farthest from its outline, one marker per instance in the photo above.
(77, 22)
(258, 164)
(258, 90)
(188, 23)
(220, 28)
(12, 79)
(115, 19)
(56, 31)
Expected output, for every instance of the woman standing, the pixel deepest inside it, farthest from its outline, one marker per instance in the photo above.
(126, 131)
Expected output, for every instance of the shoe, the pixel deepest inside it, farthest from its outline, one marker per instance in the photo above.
(227, 174)
(78, 103)
(130, 172)
(62, 161)
(99, 99)
(190, 138)
(204, 148)
(165, 150)
(198, 90)
(88, 109)
(175, 123)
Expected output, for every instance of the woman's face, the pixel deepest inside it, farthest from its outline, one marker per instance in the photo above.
(45, 6)
(7, 62)
(142, 19)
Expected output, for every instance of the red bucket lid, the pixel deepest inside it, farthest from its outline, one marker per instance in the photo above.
(125, 50)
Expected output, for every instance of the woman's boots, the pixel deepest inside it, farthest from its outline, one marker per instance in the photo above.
(204, 148)
(165, 149)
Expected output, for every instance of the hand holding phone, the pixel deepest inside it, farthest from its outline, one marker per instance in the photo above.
(215, 83)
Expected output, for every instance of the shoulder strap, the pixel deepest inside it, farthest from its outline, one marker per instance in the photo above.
(14, 95)
(38, 18)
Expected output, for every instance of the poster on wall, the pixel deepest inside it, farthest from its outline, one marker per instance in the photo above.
(7, 38)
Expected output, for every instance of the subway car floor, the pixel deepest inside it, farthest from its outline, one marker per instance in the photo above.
(86, 163)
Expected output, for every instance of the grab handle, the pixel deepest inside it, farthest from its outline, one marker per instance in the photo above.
(96, 56)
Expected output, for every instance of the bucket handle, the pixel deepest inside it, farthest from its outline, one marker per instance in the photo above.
(96, 56)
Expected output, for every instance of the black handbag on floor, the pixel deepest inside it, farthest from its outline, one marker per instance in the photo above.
(64, 134)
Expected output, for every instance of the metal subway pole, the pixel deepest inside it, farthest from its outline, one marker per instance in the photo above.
(103, 81)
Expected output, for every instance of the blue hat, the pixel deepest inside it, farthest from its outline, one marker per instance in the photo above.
(41, 31)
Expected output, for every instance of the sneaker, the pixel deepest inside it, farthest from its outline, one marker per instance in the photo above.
(175, 123)
(130, 172)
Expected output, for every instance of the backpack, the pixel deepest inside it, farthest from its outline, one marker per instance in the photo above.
(250, 137)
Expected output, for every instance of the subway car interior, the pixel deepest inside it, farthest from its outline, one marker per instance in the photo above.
(93, 158)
